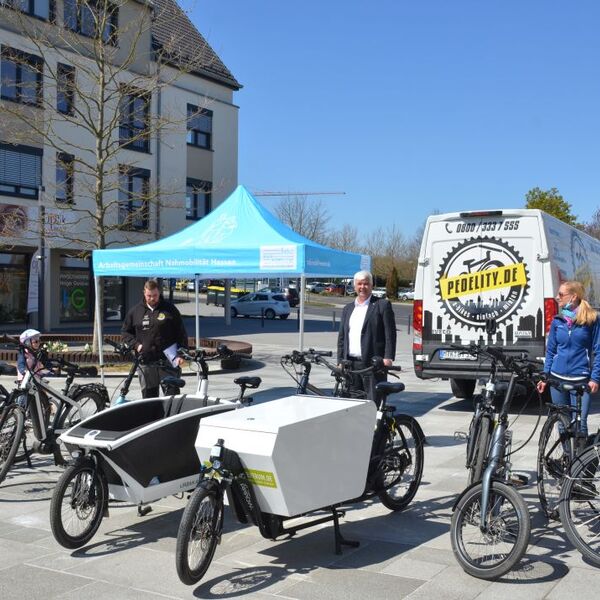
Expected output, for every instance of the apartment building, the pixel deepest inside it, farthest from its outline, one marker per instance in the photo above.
(117, 127)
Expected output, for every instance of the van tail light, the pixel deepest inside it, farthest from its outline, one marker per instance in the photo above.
(550, 311)
(417, 326)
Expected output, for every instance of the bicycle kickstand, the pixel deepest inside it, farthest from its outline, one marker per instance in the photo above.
(340, 540)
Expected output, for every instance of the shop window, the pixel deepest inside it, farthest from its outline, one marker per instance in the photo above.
(75, 285)
(114, 298)
(197, 199)
(199, 127)
(20, 170)
(14, 271)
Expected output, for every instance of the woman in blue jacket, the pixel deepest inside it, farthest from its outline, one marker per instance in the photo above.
(573, 347)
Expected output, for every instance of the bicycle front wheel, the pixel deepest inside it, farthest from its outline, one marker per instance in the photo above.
(402, 464)
(77, 505)
(554, 457)
(493, 552)
(12, 425)
(579, 504)
(199, 533)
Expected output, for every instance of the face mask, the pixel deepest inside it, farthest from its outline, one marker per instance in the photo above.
(568, 306)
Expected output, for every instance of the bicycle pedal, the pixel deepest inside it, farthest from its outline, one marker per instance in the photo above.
(461, 436)
(519, 479)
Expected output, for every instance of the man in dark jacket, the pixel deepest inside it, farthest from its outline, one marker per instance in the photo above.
(367, 329)
(154, 327)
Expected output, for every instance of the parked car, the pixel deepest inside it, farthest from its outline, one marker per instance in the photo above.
(406, 294)
(350, 290)
(289, 293)
(253, 305)
(379, 292)
(336, 289)
(316, 287)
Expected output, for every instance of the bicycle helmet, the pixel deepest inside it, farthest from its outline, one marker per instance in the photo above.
(28, 336)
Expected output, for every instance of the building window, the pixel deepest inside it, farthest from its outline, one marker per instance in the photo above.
(199, 126)
(134, 121)
(64, 177)
(65, 89)
(20, 170)
(42, 9)
(74, 280)
(197, 199)
(14, 274)
(114, 298)
(21, 76)
(134, 189)
(92, 18)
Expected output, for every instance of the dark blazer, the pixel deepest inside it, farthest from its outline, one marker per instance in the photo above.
(378, 336)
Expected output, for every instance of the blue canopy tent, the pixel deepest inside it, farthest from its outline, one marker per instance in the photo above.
(240, 238)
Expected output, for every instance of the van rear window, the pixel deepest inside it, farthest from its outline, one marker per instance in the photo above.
(279, 297)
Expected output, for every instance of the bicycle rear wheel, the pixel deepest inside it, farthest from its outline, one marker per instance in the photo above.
(90, 402)
(479, 451)
(402, 463)
(579, 504)
(492, 553)
(554, 457)
(12, 424)
(199, 533)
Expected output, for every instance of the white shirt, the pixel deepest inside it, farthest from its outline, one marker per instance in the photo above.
(355, 325)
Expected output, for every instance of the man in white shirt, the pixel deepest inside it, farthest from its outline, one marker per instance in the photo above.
(367, 329)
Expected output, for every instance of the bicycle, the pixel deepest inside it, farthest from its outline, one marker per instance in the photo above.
(32, 401)
(381, 473)
(490, 524)
(170, 385)
(561, 440)
(134, 452)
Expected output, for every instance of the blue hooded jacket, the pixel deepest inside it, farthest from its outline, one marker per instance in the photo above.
(570, 351)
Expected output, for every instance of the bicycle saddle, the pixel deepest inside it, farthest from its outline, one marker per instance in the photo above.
(169, 380)
(249, 382)
(389, 387)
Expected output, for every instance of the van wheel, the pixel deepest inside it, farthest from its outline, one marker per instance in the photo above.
(462, 388)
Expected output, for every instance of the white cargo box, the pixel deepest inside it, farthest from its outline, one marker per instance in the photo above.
(301, 452)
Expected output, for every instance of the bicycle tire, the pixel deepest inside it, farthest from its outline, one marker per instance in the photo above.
(90, 402)
(579, 504)
(480, 448)
(81, 494)
(199, 530)
(555, 452)
(12, 425)
(402, 463)
(468, 539)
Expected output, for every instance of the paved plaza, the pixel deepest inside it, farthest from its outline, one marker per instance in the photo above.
(402, 555)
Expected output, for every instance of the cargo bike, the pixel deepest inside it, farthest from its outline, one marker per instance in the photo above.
(302, 455)
(136, 452)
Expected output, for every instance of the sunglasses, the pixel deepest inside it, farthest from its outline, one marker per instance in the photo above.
(562, 295)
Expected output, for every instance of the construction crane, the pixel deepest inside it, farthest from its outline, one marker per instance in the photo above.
(299, 194)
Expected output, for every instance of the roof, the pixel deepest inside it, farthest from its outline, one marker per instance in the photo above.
(183, 44)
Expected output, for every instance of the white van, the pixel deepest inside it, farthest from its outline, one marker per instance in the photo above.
(500, 267)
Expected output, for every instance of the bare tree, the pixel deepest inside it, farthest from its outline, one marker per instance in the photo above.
(91, 86)
(592, 227)
(309, 218)
(345, 239)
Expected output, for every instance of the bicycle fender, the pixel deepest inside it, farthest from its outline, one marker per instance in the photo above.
(77, 389)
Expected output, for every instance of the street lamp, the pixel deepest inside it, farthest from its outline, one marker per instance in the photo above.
(41, 258)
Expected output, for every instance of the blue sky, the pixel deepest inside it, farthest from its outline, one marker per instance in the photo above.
(411, 107)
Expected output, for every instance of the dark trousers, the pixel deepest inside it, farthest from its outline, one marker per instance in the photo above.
(366, 383)
(150, 378)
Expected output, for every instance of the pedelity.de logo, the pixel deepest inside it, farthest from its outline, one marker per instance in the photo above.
(482, 278)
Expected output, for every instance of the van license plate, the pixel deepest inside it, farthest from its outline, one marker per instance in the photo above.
(455, 355)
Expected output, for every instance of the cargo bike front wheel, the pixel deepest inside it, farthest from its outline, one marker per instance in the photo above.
(78, 503)
(199, 532)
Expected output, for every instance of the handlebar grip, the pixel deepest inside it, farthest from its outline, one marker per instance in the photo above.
(394, 368)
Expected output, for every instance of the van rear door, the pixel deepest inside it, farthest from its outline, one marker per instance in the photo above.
(479, 267)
